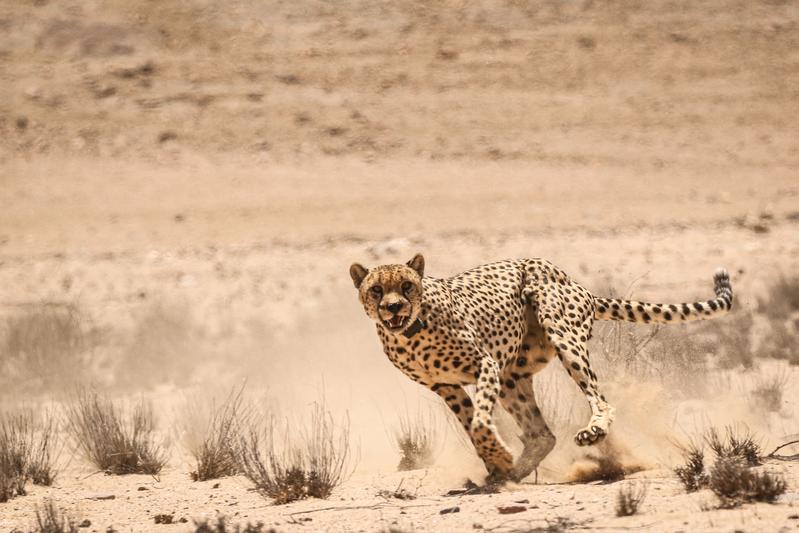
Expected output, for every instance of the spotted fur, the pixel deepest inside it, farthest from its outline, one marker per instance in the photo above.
(494, 327)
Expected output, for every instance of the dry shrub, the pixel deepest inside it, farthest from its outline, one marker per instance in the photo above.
(416, 438)
(50, 519)
(43, 348)
(739, 445)
(782, 299)
(730, 477)
(679, 359)
(678, 355)
(629, 498)
(734, 483)
(291, 471)
(216, 454)
(671, 355)
(28, 451)
(781, 308)
(623, 344)
(115, 440)
(768, 392)
(692, 474)
(221, 526)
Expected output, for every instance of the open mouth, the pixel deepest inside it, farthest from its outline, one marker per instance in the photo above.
(395, 322)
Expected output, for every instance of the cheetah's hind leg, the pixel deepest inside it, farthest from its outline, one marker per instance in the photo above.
(518, 399)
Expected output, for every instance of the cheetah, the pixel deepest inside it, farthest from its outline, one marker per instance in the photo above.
(494, 327)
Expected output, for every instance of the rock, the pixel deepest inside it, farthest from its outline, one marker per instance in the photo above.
(511, 509)
(100, 496)
(166, 136)
(450, 510)
(164, 518)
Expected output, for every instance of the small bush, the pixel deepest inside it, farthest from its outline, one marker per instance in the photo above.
(221, 526)
(311, 468)
(28, 451)
(692, 474)
(737, 446)
(216, 455)
(629, 499)
(110, 440)
(50, 519)
(679, 359)
(416, 439)
(734, 483)
(768, 393)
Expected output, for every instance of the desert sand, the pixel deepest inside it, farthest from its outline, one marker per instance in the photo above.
(196, 178)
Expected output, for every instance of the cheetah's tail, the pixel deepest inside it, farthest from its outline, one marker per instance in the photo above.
(632, 311)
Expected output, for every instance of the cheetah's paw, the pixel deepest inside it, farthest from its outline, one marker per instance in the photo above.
(590, 435)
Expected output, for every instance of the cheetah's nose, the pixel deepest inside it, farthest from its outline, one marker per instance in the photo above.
(394, 307)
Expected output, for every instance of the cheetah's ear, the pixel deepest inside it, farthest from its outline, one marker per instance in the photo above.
(417, 263)
(357, 273)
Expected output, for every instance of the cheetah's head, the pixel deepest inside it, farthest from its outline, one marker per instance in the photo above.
(391, 294)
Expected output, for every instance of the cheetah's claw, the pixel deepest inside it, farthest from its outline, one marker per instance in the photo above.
(589, 436)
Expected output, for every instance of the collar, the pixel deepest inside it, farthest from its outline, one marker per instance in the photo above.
(414, 328)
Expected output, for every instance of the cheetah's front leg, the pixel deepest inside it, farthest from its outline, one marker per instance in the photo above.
(486, 439)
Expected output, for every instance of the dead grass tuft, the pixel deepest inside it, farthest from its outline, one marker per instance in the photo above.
(311, 468)
(221, 526)
(216, 454)
(739, 445)
(734, 484)
(629, 498)
(768, 392)
(692, 474)
(416, 439)
(28, 451)
(50, 519)
(114, 441)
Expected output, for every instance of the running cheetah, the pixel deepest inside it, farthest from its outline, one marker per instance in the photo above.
(494, 327)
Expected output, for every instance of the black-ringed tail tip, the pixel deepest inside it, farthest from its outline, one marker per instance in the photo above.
(634, 311)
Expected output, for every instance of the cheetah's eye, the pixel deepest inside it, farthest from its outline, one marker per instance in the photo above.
(377, 290)
(407, 287)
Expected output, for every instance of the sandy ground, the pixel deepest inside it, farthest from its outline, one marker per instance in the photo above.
(196, 179)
